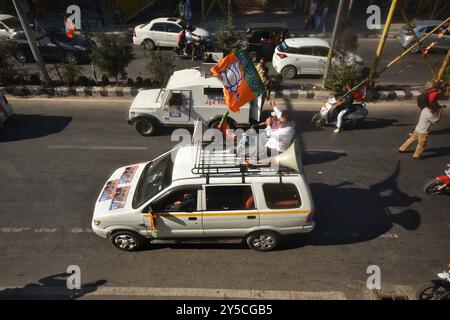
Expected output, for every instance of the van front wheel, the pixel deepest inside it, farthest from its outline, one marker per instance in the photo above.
(127, 240)
(146, 127)
(263, 240)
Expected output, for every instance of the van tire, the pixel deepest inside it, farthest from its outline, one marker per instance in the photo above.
(289, 72)
(149, 44)
(127, 240)
(264, 240)
(146, 126)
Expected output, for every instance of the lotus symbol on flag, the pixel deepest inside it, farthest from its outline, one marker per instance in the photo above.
(232, 78)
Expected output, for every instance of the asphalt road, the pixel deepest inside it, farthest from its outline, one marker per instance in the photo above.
(411, 70)
(56, 154)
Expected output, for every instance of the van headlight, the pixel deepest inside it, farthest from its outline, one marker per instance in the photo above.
(96, 222)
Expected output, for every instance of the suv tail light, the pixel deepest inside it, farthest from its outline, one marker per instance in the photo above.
(310, 217)
(281, 55)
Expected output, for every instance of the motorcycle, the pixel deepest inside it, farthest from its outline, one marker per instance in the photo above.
(328, 114)
(438, 185)
(438, 289)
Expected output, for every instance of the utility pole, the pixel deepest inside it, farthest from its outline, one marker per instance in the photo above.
(333, 39)
(31, 41)
(382, 41)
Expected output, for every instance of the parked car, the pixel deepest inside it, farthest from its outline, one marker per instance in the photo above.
(51, 50)
(421, 27)
(261, 39)
(9, 26)
(163, 32)
(305, 56)
(78, 41)
(6, 109)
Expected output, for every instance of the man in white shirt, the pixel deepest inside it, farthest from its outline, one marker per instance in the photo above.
(280, 138)
(428, 116)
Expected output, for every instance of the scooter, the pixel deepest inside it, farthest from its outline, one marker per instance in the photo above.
(438, 185)
(328, 114)
(438, 289)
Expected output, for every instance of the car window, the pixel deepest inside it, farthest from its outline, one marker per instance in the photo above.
(305, 51)
(320, 51)
(181, 200)
(220, 198)
(283, 196)
(173, 28)
(158, 27)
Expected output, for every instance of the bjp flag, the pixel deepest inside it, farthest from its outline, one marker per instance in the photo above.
(240, 79)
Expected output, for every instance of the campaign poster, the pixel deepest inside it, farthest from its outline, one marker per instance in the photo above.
(120, 198)
(109, 190)
(128, 174)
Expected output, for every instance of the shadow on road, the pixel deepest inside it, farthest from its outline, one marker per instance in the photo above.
(347, 214)
(378, 123)
(29, 126)
(316, 157)
(51, 287)
(440, 131)
(436, 152)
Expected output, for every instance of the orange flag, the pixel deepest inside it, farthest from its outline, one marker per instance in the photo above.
(240, 79)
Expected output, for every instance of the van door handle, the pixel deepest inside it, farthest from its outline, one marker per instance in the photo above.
(192, 218)
(251, 217)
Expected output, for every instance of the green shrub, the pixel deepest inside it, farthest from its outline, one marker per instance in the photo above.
(161, 65)
(342, 72)
(68, 73)
(112, 55)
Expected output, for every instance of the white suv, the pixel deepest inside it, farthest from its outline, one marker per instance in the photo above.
(304, 56)
(163, 32)
(187, 193)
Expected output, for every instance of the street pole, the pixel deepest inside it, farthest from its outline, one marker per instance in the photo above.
(443, 66)
(382, 42)
(333, 39)
(32, 42)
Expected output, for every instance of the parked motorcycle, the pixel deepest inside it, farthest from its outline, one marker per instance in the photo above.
(438, 185)
(328, 114)
(437, 289)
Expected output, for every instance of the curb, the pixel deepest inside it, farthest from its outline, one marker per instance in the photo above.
(407, 93)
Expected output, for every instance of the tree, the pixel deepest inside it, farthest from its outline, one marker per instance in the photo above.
(7, 71)
(112, 55)
(227, 38)
(341, 72)
(161, 66)
(347, 42)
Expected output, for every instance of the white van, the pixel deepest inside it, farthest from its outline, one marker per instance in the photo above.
(190, 95)
(183, 194)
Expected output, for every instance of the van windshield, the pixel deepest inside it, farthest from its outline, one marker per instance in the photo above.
(156, 176)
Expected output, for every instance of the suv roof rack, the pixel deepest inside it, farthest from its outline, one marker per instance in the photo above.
(214, 160)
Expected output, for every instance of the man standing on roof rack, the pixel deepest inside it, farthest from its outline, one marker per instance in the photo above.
(280, 138)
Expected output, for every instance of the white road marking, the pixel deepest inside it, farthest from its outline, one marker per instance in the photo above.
(96, 147)
(179, 293)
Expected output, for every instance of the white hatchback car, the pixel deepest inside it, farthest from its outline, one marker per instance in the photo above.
(9, 26)
(296, 56)
(163, 32)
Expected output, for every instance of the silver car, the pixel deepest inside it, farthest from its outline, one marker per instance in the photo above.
(421, 27)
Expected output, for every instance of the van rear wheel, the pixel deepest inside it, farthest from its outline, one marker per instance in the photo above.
(127, 240)
(263, 240)
(146, 127)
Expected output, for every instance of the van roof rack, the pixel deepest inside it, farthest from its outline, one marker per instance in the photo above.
(212, 159)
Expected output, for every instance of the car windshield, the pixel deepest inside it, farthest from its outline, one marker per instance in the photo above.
(161, 95)
(283, 47)
(156, 176)
(185, 25)
(13, 23)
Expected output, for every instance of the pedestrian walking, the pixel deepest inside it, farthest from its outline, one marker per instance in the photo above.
(318, 16)
(189, 42)
(429, 115)
(263, 72)
(324, 15)
(311, 13)
(181, 40)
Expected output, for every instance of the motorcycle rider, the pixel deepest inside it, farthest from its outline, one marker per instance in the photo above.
(344, 107)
